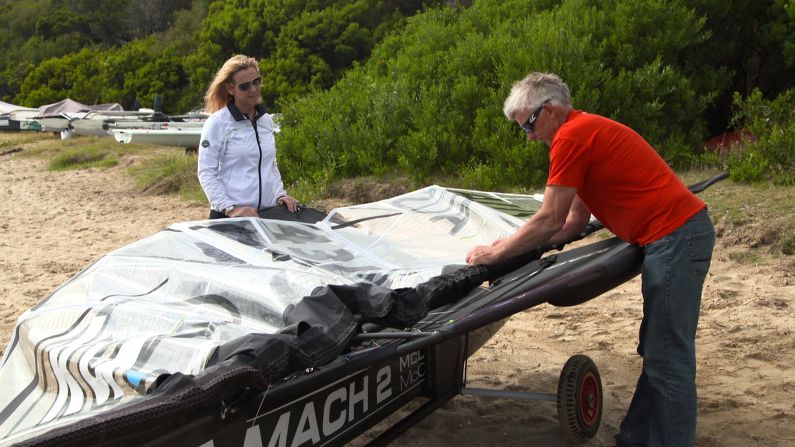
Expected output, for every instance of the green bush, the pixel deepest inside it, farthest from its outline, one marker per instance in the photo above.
(429, 99)
(770, 154)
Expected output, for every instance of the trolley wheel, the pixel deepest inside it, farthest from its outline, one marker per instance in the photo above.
(579, 398)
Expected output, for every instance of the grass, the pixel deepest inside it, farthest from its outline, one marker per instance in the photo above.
(171, 173)
(10, 140)
(81, 158)
(758, 219)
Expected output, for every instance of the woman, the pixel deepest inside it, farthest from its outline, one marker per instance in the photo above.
(237, 157)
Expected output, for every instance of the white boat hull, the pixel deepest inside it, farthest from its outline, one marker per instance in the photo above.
(133, 124)
(187, 137)
(89, 127)
(53, 124)
(59, 123)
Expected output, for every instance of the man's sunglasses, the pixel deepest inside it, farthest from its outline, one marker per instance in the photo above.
(244, 86)
(529, 126)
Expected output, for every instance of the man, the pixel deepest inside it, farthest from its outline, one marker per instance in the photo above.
(602, 167)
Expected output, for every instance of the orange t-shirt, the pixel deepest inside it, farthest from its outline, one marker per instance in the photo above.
(620, 178)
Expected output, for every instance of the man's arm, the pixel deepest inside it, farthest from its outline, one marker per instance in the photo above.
(551, 221)
(576, 221)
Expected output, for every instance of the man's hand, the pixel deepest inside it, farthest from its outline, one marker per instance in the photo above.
(482, 254)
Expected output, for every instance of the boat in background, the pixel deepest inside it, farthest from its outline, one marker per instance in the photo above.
(71, 106)
(175, 130)
(58, 123)
(19, 120)
(57, 117)
(186, 135)
(156, 121)
(96, 123)
(143, 126)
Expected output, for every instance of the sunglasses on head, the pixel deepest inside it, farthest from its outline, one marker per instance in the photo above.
(244, 86)
(529, 126)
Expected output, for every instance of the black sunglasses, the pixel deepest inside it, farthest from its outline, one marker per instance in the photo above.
(529, 126)
(244, 86)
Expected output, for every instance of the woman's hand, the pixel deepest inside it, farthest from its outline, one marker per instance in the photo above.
(243, 211)
(292, 204)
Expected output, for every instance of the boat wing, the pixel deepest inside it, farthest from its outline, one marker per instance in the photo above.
(165, 304)
(208, 313)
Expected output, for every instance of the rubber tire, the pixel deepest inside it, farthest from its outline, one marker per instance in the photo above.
(580, 398)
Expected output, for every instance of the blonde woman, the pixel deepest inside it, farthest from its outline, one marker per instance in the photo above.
(237, 155)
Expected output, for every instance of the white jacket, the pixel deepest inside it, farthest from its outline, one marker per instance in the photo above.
(237, 161)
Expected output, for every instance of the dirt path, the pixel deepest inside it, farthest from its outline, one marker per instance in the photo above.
(55, 224)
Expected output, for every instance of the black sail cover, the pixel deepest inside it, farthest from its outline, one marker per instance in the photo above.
(201, 311)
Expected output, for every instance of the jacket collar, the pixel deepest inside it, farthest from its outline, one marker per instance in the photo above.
(238, 115)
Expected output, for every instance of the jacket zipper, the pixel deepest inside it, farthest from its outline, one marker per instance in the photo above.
(259, 164)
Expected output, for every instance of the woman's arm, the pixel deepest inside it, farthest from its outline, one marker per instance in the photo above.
(209, 163)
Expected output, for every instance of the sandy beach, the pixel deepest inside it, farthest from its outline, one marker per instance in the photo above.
(56, 223)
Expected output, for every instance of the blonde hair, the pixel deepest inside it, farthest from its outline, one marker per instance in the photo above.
(534, 89)
(217, 97)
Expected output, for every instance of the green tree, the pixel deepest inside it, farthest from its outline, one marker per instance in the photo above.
(72, 76)
(36, 31)
(163, 76)
(754, 40)
(301, 44)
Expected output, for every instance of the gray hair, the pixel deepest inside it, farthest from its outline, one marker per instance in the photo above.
(534, 89)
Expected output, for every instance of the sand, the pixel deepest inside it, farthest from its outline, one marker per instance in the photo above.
(56, 223)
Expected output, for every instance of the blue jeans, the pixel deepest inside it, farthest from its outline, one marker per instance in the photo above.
(663, 409)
